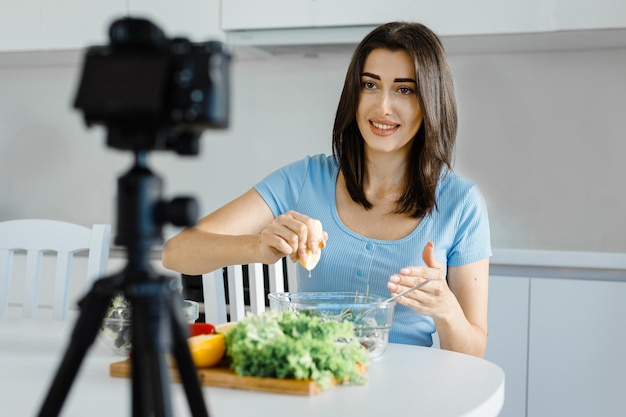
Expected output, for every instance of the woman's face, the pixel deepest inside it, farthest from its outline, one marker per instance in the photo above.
(388, 114)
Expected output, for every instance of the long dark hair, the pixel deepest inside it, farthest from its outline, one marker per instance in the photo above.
(433, 144)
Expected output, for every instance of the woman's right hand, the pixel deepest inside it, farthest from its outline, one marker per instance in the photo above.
(291, 234)
(241, 232)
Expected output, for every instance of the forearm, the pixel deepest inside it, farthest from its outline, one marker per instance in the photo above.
(458, 334)
(195, 252)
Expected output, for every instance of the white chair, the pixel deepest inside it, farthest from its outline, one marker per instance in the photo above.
(217, 311)
(63, 240)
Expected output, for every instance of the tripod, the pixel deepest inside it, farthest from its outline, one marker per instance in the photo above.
(158, 324)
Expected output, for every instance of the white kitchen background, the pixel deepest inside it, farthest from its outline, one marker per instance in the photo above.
(541, 130)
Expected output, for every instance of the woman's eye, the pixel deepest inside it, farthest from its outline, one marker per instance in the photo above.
(368, 85)
(405, 90)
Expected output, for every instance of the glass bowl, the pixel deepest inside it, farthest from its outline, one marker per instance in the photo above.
(115, 330)
(371, 317)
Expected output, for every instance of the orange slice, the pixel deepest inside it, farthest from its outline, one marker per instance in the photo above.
(311, 259)
(207, 349)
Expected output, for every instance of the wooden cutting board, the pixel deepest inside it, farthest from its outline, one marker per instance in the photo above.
(222, 376)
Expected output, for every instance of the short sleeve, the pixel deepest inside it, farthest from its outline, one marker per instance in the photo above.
(282, 188)
(473, 238)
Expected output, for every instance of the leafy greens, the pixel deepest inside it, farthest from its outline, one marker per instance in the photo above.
(288, 345)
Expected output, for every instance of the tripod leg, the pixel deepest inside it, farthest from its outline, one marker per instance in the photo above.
(150, 386)
(93, 308)
(186, 367)
(150, 377)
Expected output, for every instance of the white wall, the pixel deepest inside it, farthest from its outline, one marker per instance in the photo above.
(541, 133)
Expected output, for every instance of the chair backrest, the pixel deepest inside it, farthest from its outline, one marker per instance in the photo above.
(60, 239)
(217, 310)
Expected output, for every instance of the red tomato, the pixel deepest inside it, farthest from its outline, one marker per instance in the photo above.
(196, 329)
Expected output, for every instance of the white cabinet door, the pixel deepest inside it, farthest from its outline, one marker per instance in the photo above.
(197, 20)
(44, 25)
(508, 335)
(576, 348)
(73, 24)
(19, 24)
(266, 14)
(446, 17)
(590, 14)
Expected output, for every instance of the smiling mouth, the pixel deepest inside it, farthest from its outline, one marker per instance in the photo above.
(384, 126)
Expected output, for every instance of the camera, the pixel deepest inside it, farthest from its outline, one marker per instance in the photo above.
(154, 93)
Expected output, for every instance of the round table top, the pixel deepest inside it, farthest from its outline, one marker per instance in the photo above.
(425, 381)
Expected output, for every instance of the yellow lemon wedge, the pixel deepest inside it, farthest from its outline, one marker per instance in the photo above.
(207, 349)
(224, 328)
(312, 259)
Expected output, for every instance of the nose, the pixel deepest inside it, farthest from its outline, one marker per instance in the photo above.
(386, 103)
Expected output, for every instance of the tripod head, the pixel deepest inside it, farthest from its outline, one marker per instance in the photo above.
(153, 93)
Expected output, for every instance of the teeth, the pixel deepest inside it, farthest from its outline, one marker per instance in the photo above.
(383, 127)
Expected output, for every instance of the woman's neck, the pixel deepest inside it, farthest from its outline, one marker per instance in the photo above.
(385, 175)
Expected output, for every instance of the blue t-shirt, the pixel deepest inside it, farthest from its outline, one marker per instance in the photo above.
(459, 229)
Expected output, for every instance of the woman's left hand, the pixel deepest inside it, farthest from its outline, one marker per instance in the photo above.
(434, 299)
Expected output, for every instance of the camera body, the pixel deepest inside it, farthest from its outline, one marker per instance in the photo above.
(154, 93)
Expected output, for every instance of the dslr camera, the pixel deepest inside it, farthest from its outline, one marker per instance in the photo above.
(154, 93)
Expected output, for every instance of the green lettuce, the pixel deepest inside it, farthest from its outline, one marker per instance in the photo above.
(288, 345)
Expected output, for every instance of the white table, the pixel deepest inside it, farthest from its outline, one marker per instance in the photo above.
(406, 380)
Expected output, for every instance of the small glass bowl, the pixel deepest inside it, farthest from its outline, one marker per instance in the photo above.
(116, 329)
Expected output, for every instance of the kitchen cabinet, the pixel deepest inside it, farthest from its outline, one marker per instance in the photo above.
(508, 332)
(556, 327)
(36, 25)
(447, 17)
(465, 27)
(576, 347)
(18, 24)
(73, 24)
(42, 25)
(197, 20)
(589, 14)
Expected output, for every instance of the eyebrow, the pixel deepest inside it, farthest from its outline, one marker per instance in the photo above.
(397, 80)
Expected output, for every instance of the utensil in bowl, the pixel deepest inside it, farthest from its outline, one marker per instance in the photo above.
(405, 292)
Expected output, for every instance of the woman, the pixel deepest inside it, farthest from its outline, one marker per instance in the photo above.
(393, 212)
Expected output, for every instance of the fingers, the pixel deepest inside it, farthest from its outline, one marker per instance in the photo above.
(399, 282)
(310, 235)
(276, 245)
(428, 255)
(412, 275)
(314, 239)
(299, 232)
